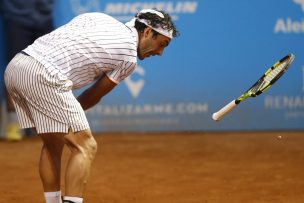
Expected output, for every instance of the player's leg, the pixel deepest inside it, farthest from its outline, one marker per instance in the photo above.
(50, 160)
(50, 165)
(53, 116)
(83, 149)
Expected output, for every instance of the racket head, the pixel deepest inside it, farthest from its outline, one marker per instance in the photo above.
(269, 77)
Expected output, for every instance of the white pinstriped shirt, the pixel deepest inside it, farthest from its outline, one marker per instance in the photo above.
(88, 46)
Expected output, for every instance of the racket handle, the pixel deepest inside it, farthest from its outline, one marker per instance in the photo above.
(223, 111)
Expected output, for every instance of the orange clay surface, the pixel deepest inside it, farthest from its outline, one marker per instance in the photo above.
(228, 167)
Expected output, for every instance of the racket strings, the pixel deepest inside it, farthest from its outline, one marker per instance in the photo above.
(276, 71)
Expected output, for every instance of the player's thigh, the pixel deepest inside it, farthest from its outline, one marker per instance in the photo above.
(53, 141)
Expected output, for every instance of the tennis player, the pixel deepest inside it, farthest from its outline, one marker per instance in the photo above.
(93, 48)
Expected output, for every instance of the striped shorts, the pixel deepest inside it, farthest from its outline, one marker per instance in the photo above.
(42, 100)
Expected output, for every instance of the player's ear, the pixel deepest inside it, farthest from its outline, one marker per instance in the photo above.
(147, 31)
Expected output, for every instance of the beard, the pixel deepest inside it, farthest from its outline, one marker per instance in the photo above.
(140, 57)
(139, 54)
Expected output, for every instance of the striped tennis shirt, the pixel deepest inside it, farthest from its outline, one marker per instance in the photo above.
(87, 47)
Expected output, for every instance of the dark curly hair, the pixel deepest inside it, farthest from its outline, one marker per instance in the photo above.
(154, 21)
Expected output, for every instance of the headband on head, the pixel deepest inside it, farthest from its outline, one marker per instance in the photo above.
(151, 11)
(158, 28)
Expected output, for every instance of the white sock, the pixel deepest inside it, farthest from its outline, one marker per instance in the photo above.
(53, 197)
(73, 199)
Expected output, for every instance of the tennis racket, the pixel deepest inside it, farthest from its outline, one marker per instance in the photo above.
(268, 79)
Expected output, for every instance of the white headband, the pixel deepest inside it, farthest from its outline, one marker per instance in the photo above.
(159, 29)
(152, 11)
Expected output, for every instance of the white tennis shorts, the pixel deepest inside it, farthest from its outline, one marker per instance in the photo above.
(41, 100)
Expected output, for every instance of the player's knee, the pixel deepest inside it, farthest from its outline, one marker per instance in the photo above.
(91, 148)
(82, 142)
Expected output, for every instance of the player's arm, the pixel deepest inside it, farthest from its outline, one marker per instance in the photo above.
(94, 93)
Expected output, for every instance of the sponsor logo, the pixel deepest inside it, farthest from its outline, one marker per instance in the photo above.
(292, 106)
(124, 11)
(135, 86)
(289, 25)
(149, 109)
(284, 102)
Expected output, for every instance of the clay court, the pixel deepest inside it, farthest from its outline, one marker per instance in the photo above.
(242, 167)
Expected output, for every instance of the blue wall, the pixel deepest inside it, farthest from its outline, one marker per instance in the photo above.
(224, 47)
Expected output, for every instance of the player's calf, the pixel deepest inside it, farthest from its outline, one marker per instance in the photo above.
(83, 149)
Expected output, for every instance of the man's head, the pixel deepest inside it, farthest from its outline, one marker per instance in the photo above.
(156, 29)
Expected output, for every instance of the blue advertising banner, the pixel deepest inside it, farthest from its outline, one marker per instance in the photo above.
(224, 47)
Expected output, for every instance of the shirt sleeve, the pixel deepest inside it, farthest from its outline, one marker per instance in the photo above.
(123, 70)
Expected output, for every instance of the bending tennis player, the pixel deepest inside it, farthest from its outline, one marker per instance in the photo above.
(92, 48)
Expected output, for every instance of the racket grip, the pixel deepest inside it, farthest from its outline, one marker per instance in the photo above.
(223, 111)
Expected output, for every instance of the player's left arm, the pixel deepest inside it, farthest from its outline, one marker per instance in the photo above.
(94, 93)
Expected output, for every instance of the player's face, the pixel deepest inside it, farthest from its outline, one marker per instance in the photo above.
(150, 45)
